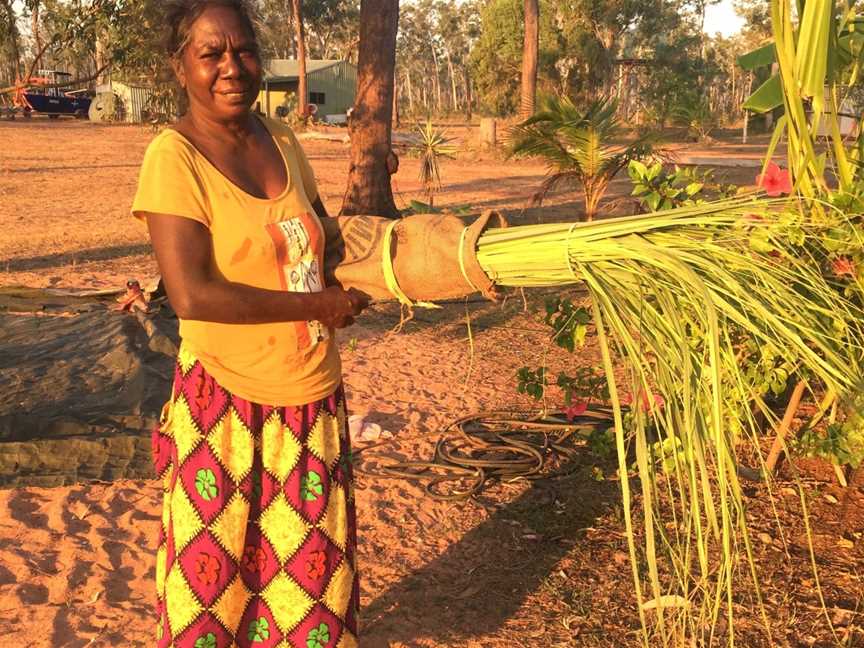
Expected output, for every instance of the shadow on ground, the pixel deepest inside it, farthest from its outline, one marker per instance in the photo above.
(480, 583)
(81, 256)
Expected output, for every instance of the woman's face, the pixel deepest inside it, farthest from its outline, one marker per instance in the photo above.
(220, 67)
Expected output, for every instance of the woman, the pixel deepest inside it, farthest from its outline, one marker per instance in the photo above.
(258, 527)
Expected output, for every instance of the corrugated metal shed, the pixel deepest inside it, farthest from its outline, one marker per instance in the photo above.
(331, 85)
(130, 102)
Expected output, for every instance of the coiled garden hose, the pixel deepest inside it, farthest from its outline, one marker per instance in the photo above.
(495, 445)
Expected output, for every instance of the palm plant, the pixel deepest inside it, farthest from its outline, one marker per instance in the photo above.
(433, 147)
(577, 146)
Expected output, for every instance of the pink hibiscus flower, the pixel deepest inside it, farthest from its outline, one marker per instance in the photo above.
(578, 408)
(775, 181)
(844, 266)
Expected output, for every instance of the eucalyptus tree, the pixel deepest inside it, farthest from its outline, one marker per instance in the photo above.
(372, 159)
(530, 56)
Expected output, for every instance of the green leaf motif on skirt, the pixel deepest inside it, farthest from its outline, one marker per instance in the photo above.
(205, 484)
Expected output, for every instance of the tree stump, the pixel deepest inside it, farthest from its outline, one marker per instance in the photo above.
(488, 132)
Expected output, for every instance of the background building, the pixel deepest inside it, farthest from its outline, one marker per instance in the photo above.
(331, 86)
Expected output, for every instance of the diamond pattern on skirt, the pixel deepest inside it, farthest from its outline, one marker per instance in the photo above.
(205, 395)
(338, 594)
(259, 564)
(323, 439)
(308, 487)
(280, 450)
(185, 522)
(230, 606)
(320, 629)
(230, 527)
(314, 563)
(288, 601)
(207, 568)
(284, 527)
(348, 640)
(206, 632)
(257, 542)
(258, 627)
(183, 607)
(207, 481)
(259, 488)
(335, 520)
(183, 430)
(232, 442)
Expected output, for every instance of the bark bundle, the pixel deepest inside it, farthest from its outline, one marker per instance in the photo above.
(433, 256)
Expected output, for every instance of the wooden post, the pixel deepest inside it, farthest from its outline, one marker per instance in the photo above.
(785, 424)
(488, 132)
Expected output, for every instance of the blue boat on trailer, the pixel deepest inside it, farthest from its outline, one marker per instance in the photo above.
(40, 96)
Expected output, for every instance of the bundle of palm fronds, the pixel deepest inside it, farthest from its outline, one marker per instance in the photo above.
(675, 294)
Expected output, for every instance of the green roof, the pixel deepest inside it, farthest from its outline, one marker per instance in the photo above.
(288, 69)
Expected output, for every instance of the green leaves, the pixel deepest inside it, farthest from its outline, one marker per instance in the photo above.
(658, 190)
(433, 147)
(205, 484)
(206, 641)
(531, 382)
(318, 637)
(569, 322)
(761, 57)
(577, 146)
(311, 487)
(767, 97)
(259, 630)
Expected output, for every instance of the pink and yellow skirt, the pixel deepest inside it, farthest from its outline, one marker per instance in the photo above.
(258, 538)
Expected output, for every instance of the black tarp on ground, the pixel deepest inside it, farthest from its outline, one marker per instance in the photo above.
(81, 386)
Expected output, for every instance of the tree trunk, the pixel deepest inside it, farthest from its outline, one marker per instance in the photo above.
(410, 91)
(300, 36)
(530, 53)
(435, 79)
(452, 81)
(396, 87)
(369, 191)
(34, 29)
(468, 96)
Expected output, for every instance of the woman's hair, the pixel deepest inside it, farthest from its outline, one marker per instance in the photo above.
(181, 14)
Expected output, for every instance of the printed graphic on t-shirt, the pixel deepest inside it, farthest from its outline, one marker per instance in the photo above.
(299, 247)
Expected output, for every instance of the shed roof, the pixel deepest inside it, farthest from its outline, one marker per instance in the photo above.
(288, 69)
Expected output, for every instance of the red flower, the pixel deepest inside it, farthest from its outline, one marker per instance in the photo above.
(844, 266)
(316, 564)
(578, 408)
(645, 401)
(205, 394)
(254, 559)
(775, 181)
(207, 568)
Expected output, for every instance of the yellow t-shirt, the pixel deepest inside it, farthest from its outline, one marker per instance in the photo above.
(277, 244)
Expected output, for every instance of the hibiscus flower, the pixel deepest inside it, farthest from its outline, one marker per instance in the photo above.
(775, 181)
(316, 564)
(577, 408)
(207, 568)
(254, 559)
(843, 266)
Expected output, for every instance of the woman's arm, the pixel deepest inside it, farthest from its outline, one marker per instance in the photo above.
(184, 252)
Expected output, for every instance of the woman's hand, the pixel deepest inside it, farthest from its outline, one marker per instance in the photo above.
(337, 308)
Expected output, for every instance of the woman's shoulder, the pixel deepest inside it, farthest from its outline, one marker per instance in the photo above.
(171, 141)
(279, 129)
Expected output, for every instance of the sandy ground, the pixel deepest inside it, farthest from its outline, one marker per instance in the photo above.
(525, 564)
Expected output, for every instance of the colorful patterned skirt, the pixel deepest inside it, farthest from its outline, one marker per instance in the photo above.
(258, 541)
